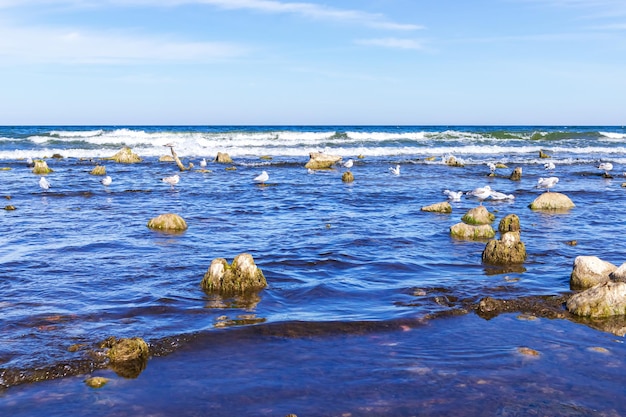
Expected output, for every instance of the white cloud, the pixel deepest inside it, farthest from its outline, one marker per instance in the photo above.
(393, 43)
(77, 46)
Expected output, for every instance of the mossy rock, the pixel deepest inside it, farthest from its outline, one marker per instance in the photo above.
(443, 207)
(9, 207)
(552, 201)
(509, 223)
(125, 156)
(166, 158)
(96, 382)
(319, 160)
(223, 158)
(99, 170)
(508, 250)
(266, 157)
(41, 167)
(453, 162)
(240, 277)
(347, 177)
(5, 169)
(516, 175)
(472, 232)
(168, 222)
(602, 300)
(544, 155)
(128, 357)
(478, 215)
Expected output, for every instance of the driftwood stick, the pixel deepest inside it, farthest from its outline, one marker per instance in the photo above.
(177, 160)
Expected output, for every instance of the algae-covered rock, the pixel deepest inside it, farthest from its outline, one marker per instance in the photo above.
(319, 160)
(125, 156)
(552, 201)
(96, 382)
(9, 207)
(470, 231)
(516, 175)
(589, 271)
(478, 215)
(166, 158)
(347, 177)
(544, 155)
(509, 223)
(443, 207)
(451, 161)
(128, 357)
(223, 158)
(99, 170)
(168, 222)
(509, 249)
(239, 277)
(41, 167)
(603, 300)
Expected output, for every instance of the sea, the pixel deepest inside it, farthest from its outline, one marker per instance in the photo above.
(371, 304)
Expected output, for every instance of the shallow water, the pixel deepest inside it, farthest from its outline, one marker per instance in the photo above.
(357, 274)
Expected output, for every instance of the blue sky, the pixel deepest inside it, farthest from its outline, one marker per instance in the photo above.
(216, 62)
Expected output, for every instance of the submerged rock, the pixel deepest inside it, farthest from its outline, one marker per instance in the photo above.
(516, 175)
(99, 170)
(603, 300)
(589, 271)
(443, 207)
(223, 158)
(239, 277)
(41, 167)
(552, 201)
(508, 250)
(478, 215)
(128, 357)
(168, 222)
(96, 382)
(347, 177)
(125, 156)
(319, 160)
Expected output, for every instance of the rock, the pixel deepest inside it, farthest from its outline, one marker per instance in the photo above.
(478, 215)
(166, 158)
(168, 222)
(223, 158)
(96, 382)
(41, 167)
(552, 201)
(128, 357)
(619, 274)
(516, 175)
(444, 207)
(347, 177)
(57, 156)
(9, 207)
(509, 223)
(99, 170)
(469, 231)
(453, 162)
(603, 300)
(508, 250)
(240, 277)
(544, 155)
(126, 156)
(319, 160)
(589, 271)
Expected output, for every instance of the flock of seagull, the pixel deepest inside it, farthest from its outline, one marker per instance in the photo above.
(481, 193)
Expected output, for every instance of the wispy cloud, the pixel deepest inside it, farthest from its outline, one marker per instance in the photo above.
(392, 43)
(83, 47)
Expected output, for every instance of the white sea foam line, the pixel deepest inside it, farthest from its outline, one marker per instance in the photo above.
(76, 133)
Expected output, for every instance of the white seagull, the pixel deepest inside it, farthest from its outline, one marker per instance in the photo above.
(453, 195)
(262, 178)
(549, 166)
(396, 170)
(606, 166)
(106, 181)
(547, 183)
(44, 184)
(173, 180)
(496, 195)
(348, 164)
(203, 163)
(481, 193)
(492, 167)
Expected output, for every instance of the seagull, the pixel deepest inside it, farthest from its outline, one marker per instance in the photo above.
(396, 170)
(30, 162)
(492, 167)
(481, 193)
(262, 178)
(349, 163)
(606, 166)
(203, 163)
(495, 195)
(44, 184)
(547, 183)
(173, 180)
(549, 166)
(106, 181)
(453, 195)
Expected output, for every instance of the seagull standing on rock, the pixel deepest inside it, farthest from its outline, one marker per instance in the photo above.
(547, 183)
(606, 166)
(262, 178)
(481, 193)
(173, 180)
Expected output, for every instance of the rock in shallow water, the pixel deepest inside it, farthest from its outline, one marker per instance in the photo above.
(552, 201)
(589, 271)
(168, 222)
(239, 277)
(603, 300)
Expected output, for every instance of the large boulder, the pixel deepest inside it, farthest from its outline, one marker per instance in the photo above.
(589, 271)
(444, 207)
(470, 231)
(126, 156)
(41, 167)
(319, 160)
(223, 158)
(603, 300)
(168, 222)
(240, 277)
(552, 201)
(478, 215)
(509, 249)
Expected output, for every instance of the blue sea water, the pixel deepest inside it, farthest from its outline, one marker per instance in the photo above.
(366, 309)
